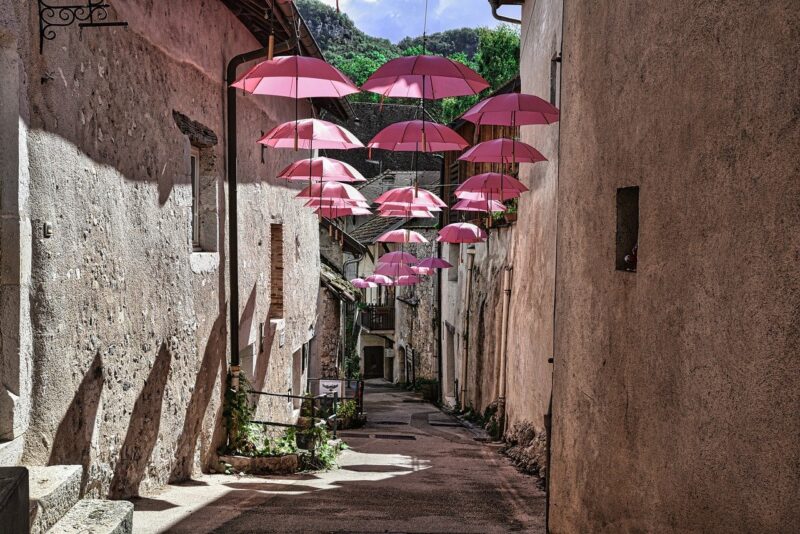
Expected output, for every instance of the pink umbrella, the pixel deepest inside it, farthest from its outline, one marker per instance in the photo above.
(296, 77)
(512, 109)
(417, 135)
(360, 283)
(331, 190)
(407, 280)
(379, 279)
(400, 206)
(503, 151)
(494, 184)
(310, 134)
(321, 169)
(419, 197)
(405, 213)
(333, 212)
(434, 263)
(428, 77)
(480, 204)
(393, 269)
(461, 233)
(401, 236)
(335, 203)
(421, 271)
(398, 257)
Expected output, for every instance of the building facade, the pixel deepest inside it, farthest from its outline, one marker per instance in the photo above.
(114, 241)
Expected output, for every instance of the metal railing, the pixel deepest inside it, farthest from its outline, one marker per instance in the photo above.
(352, 389)
(378, 317)
(315, 408)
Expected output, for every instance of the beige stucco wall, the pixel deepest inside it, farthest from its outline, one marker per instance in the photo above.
(677, 388)
(528, 248)
(130, 342)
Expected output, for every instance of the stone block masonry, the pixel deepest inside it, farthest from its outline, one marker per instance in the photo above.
(123, 365)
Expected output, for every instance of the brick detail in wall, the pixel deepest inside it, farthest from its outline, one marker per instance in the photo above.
(276, 271)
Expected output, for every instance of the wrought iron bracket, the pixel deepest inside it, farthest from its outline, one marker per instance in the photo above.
(93, 14)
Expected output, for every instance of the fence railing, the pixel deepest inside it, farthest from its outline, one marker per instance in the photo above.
(315, 408)
(378, 317)
(351, 389)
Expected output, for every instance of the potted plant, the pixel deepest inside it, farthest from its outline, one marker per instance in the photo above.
(511, 212)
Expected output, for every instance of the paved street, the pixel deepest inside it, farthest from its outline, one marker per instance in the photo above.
(411, 469)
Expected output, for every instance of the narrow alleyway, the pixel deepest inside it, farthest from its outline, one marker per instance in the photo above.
(411, 469)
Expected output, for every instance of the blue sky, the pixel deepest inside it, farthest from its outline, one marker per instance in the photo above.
(395, 19)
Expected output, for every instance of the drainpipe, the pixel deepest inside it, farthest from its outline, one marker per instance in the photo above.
(343, 319)
(465, 358)
(503, 346)
(438, 327)
(233, 233)
(496, 5)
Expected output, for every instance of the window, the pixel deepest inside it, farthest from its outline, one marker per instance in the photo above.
(276, 271)
(627, 228)
(297, 377)
(453, 254)
(194, 170)
(204, 173)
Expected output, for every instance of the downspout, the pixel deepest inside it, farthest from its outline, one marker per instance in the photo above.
(503, 347)
(233, 233)
(495, 6)
(438, 327)
(356, 260)
(465, 359)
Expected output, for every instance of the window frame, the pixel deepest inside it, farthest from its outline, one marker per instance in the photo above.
(194, 176)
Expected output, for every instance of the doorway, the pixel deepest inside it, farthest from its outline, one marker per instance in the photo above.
(373, 362)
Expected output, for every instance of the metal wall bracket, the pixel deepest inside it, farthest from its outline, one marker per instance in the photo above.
(93, 14)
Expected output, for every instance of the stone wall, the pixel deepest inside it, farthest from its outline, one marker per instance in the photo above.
(677, 387)
(130, 344)
(415, 316)
(326, 345)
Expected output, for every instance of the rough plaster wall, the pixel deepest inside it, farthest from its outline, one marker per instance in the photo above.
(327, 336)
(15, 328)
(677, 388)
(530, 327)
(130, 345)
(415, 324)
(485, 317)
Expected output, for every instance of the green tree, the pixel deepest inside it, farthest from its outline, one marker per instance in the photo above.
(498, 54)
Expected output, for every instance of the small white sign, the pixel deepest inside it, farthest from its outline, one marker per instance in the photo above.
(329, 387)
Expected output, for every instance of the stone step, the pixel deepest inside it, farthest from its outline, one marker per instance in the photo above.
(95, 516)
(54, 490)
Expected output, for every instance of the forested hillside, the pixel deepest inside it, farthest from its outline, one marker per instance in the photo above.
(494, 53)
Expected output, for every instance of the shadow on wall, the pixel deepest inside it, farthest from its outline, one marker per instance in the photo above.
(142, 430)
(73, 439)
(201, 397)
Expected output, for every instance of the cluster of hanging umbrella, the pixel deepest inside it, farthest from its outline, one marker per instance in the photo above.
(329, 191)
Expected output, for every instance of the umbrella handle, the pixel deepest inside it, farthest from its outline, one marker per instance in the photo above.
(271, 47)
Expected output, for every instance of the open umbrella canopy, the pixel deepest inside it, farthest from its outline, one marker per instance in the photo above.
(512, 109)
(360, 283)
(481, 204)
(296, 77)
(461, 233)
(421, 271)
(331, 190)
(321, 169)
(398, 257)
(309, 134)
(379, 279)
(428, 77)
(494, 185)
(418, 197)
(503, 151)
(401, 236)
(407, 280)
(393, 269)
(335, 212)
(434, 263)
(405, 213)
(335, 203)
(418, 136)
